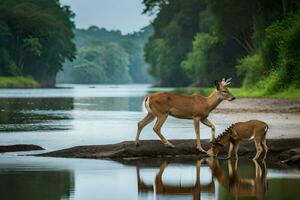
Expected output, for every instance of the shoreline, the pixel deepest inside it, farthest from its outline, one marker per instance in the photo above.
(286, 150)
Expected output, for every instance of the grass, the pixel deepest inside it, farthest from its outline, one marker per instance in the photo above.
(18, 82)
(291, 93)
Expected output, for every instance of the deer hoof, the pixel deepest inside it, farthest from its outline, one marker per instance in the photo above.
(201, 149)
(137, 143)
(170, 145)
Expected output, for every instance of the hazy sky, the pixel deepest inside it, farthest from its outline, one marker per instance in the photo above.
(124, 15)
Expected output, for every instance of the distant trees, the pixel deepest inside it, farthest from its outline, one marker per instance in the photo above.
(108, 57)
(175, 27)
(99, 63)
(35, 38)
(195, 42)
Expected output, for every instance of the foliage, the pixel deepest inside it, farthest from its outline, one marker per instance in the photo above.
(202, 60)
(175, 27)
(99, 62)
(250, 67)
(125, 56)
(257, 40)
(18, 82)
(35, 38)
(277, 67)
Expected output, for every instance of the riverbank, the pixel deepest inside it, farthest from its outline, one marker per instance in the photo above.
(18, 82)
(281, 151)
(290, 93)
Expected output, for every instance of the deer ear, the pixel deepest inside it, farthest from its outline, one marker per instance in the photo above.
(217, 84)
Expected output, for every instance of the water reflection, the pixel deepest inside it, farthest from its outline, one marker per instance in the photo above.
(26, 185)
(35, 114)
(237, 185)
(109, 103)
(34, 178)
(162, 188)
(227, 180)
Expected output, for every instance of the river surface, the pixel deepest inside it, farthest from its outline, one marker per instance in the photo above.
(73, 115)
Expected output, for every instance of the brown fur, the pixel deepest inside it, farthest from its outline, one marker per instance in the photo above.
(161, 105)
(250, 130)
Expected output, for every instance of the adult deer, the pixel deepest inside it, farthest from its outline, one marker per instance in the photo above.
(195, 107)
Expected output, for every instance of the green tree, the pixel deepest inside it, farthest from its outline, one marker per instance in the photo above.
(40, 37)
(175, 27)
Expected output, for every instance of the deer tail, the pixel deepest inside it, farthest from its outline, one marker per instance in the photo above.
(146, 104)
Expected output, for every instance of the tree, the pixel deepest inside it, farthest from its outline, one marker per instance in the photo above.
(40, 37)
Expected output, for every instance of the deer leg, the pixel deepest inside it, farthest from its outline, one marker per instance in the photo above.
(236, 149)
(212, 126)
(149, 118)
(258, 149)
(264, 144)
(157, 127)
(230, 150)
(197, 130)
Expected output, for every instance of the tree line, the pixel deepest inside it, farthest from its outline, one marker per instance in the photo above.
(35, 39)
(197, 41)
(108, 57)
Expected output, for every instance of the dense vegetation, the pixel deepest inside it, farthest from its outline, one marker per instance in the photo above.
(197, 41)
(108, 57)
(18, 82)
(35, 39)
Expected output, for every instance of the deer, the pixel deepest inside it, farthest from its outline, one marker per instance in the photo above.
(196, 107)
(249, 130)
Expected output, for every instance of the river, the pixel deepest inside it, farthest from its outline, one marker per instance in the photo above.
(72, 115)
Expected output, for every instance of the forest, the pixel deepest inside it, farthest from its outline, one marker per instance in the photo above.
(107, 57)
(36, 37)
(198, 41)
(189, 43)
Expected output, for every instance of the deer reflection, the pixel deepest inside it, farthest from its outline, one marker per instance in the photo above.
(235, 184)
(167, 189)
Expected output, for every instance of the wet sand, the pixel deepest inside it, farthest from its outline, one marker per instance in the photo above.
(259, 105)
(282, 116)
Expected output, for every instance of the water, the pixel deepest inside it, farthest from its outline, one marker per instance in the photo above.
(100, 114)
(30, 178)
(80, 114)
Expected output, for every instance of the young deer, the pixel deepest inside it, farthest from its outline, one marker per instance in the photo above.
(250, 130)
(196, 107)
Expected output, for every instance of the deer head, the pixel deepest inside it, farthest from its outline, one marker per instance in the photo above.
(215, 148)
(222, 90)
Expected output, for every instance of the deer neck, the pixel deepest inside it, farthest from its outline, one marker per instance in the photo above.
(213, 100)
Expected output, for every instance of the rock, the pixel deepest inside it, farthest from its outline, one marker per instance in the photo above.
(19, 147)
(183, 148)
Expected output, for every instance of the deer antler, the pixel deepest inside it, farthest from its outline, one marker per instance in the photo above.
(228, 81)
